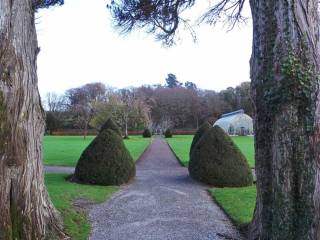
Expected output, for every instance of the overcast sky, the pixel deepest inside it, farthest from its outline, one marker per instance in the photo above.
(78, 46)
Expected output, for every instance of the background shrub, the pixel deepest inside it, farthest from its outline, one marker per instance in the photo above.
(217, 161)
(168, 133)
(146, 133)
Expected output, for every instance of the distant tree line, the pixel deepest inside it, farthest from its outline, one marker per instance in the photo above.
(172, 105)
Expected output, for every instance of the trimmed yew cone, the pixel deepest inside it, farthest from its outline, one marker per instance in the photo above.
(201, 130)
(217, 161)
(106, 161)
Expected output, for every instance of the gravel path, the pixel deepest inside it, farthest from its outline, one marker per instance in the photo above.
(58, 169)
(162, 203)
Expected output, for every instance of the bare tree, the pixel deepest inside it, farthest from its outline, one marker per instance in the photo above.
(82, 116)
(244, 98)
(165, 123)
(285, 79)
(175, 103)
(121, 109)
(53, 102)
(55, 110)
(95, 92)
(83, 102)
(102, 114)
(124, 107)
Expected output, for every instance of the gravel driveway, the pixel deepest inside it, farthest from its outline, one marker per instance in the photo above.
(58, 169)
(163, 203)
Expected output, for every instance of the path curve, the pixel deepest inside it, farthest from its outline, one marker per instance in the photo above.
(162, 203)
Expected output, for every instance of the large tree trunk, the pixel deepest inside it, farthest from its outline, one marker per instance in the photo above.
(285, 78)
(26, 211)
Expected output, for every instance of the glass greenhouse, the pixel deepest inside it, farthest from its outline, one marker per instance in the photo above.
(236, 123)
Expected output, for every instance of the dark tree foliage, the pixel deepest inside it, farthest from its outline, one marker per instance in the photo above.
(47, 3)
(172, 81)
(52, 122)
(190, 85)
(162, 17)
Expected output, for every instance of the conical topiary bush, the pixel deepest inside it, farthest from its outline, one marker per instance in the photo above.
(217, 161)
(106, 161)
(109, 124)
(201, 130)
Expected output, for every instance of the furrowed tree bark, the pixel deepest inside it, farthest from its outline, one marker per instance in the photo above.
(285, 79)
(26, 211)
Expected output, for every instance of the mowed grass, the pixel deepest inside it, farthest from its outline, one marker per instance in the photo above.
(246, 145)
(181, 146)
(63, 195)
(66, 150)
(239, 203)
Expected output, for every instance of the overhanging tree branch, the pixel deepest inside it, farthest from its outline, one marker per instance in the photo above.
(229, 11)
(47, 3)
(162, 17)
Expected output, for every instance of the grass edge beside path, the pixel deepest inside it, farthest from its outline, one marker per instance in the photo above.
(64, 194)
(182, 163)
(180, 146)
(237, 203)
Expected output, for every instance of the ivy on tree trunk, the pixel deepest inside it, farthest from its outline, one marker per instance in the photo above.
(285, 89)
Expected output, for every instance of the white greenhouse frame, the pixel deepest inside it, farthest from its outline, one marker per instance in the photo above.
(236, 123)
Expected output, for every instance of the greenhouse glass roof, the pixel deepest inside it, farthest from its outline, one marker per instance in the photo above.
(236, 123)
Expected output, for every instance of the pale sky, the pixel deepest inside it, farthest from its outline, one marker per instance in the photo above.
(78, 46)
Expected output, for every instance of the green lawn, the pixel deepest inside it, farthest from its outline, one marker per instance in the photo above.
(246, 145)
(64, 193)
(66, 150)
(181, 146)
(239, 203)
